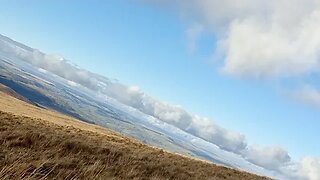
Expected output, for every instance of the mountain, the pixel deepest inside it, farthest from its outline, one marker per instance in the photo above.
(37, 143)
(51, 82)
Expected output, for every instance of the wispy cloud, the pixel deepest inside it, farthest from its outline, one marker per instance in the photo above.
(308, 95)
(193, 35)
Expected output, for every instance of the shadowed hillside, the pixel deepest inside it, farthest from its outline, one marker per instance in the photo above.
(36, 143)
(12, 93)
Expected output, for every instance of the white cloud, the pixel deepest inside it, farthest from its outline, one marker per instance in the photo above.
(310, 168)
(71, 83)
(272, 157)
(42, 70)
(259, 38)
(225, 139)
(256, 49)
(177, 116)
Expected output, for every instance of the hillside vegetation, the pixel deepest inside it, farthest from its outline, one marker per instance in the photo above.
(36, 143)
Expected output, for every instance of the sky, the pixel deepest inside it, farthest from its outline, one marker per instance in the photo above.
(251, 68)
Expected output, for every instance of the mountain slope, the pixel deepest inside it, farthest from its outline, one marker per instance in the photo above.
(37, 143)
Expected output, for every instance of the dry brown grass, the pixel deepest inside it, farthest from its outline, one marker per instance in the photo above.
(39, 144)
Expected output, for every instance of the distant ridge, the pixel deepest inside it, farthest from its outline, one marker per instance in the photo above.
(9, 40)
(12, 93)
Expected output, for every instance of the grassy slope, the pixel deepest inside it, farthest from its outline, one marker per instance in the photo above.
(37, 143)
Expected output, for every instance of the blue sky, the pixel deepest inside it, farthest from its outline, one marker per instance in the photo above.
(145, 45)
